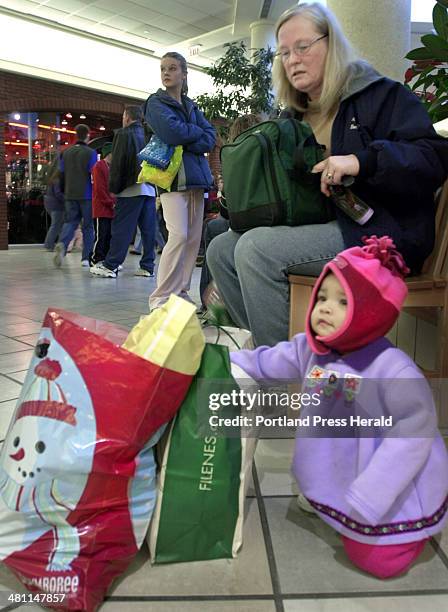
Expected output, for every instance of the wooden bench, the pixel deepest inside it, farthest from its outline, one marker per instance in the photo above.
(428, 292)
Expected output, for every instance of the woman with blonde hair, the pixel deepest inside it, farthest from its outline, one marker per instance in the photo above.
(375, 131)
(176, 120)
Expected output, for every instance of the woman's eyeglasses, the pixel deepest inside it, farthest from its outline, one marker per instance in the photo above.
(299, 49)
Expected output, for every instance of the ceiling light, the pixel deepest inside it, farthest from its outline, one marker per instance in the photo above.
(64, 122)
(17, 116)
(82, 116)
(102, 128)
(37, 120)
(69, 115)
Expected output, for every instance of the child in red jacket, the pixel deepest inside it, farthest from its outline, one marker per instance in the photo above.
(103, 204)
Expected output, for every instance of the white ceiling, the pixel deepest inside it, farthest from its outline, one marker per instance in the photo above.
(156, 25)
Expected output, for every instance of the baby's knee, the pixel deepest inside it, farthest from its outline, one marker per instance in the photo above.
(386, 561)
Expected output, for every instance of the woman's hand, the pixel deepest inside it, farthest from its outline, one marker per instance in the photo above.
(334, 168)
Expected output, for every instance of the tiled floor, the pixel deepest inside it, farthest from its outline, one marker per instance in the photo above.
(290, 561)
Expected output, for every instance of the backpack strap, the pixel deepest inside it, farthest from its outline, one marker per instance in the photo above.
(300, 172)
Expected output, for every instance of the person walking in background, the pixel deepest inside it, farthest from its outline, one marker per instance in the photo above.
(54, 205)
(159, 239)
(103, 203)
(76, 166)
(135, 202)
(176, 120)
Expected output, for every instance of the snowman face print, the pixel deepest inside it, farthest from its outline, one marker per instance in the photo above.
(25, 453)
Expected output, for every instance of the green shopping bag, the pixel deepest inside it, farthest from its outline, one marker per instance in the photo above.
(200, 505)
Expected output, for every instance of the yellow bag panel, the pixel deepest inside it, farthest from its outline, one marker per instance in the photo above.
(171, 337)
(161, 178)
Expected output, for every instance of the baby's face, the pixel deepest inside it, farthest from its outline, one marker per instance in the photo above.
(330, 309)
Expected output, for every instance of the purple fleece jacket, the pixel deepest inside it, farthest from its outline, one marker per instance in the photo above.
(388, 489)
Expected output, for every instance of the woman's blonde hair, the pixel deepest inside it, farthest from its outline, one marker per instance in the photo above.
(341, 64)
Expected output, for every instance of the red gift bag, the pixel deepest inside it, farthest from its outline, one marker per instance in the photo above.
(77, 470)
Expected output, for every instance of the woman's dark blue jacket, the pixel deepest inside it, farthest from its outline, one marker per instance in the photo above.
(402, 163)
(183, 124)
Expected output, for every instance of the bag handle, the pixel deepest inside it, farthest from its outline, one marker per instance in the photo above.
(300, 172)
(221, 329)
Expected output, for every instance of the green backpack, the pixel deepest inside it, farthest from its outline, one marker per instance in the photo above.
(267, 176)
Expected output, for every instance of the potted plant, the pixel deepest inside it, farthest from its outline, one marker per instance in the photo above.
(428, 76)
(241, 86)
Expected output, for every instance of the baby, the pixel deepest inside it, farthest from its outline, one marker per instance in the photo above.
(385, 492)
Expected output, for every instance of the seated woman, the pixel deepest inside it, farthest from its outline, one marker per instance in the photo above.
(374, 129)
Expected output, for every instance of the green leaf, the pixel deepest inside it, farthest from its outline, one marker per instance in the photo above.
(240, 86)
(434, 106)
(437, 45)
(440, 20)
(423, 78)
(422, 53)
(443, 3)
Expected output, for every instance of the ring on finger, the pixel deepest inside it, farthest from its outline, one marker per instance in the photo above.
(329, 176)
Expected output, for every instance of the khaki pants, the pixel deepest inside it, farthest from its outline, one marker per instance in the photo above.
(183, 212)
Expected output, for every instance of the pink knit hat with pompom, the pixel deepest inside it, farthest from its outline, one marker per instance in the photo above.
(372, 279)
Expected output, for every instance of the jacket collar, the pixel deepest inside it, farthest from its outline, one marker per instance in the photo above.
(167, 99)
(364, 76)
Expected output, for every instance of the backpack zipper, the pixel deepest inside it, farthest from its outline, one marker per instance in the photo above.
(267, 145)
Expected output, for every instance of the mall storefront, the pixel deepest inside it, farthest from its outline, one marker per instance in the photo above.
(32, 142)
(38, 121)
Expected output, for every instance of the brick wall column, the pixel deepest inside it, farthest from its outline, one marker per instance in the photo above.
(3, 205)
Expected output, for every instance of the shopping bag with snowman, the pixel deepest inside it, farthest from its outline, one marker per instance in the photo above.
(77, 468)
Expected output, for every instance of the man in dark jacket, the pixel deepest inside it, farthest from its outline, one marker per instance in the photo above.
(135, 202)
(76, 167)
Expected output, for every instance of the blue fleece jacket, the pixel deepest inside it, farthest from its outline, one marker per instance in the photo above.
(183, 124)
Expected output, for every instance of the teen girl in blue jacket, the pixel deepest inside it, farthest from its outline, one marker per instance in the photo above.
(176, 120)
